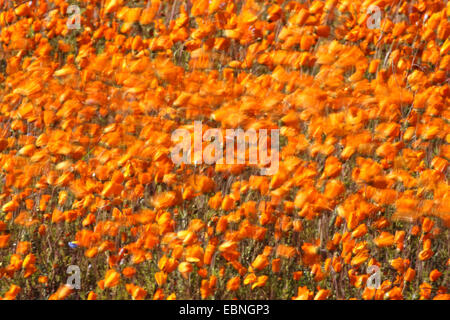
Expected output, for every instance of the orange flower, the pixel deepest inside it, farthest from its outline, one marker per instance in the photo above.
(434, 275)
(4, 240)
(136, 292)
(368, 293)
(205, 290)
(260, 282)
(250, 278)
(63, 292)
(222, 224)
(310, 256)
(165, 200)
(297, 275)
(260, 262)
(442, 296)
(286, 251)
(112, 278)
(333, 189)
(410, 274)
(215, 201)
(395, 294)
(276, 265)
(29, 260)
(228, 203)
(233, 284)
(86, 132)
(92, 252)
(129, 272)
(201, 184)
(12, 293)
(427, 225)
(425, 291)
(322, 294)
(159, 294)
(304, 294)
(43, 279)
(360, 231)
(92, 296)
(23, 247)
(184, 268)
(425, 254)
(385, 239)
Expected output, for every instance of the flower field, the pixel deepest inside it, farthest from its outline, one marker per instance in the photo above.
(92, 205)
